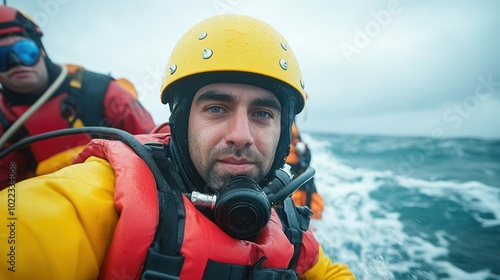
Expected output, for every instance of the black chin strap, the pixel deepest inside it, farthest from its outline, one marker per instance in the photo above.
(191, 178)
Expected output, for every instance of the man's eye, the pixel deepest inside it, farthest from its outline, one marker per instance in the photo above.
(263, 114)
(215, 109)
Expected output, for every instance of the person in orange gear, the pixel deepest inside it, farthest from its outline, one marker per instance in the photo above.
(299, 160)
(37, 96)
(202, 197)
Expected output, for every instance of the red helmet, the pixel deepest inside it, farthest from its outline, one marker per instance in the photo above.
(14, 22)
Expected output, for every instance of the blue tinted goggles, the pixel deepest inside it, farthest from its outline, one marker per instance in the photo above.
(24, 52)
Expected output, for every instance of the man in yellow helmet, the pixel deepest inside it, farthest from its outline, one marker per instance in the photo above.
(204, 198)
(37, 96)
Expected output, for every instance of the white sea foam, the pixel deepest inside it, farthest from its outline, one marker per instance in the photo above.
(474, 196)
(358, 230)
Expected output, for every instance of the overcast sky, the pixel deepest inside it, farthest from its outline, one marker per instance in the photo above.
(408, 67)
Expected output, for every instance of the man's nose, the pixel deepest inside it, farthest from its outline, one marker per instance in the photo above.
(239, 130)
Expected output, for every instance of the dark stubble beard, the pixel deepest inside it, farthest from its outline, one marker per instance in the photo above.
(216, 181)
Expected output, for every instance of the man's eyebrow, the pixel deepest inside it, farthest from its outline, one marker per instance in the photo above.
(214, 95)
(267, 102)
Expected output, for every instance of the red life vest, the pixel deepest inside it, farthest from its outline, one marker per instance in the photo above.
(46, 122)
(84, 99)
(50, 116)
(136, 200)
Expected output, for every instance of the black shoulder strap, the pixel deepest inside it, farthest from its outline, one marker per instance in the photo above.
(85, 99)
(295, 220)
(164, 260)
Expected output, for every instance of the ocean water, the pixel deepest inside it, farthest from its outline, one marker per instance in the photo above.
(409, 208)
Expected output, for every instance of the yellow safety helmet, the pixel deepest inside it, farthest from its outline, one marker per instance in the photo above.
(229, 49)
(234, 43)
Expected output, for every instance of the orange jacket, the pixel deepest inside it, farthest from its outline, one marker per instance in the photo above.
(293, 157)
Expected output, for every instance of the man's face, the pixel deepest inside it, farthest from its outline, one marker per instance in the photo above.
(24, 79)
(234, 129)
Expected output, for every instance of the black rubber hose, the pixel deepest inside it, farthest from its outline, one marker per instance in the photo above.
(294, 185)
(96, 132)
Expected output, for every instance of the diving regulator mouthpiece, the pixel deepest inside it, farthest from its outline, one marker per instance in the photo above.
(243, 207)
